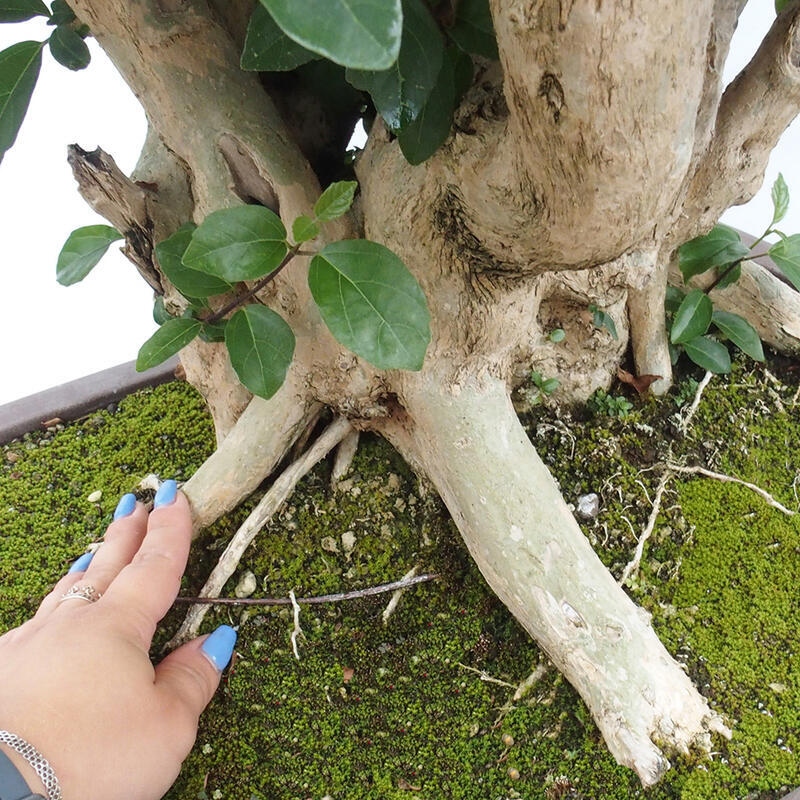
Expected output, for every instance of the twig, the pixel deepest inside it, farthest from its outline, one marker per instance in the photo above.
(297, 630)
(729, 479)
(632, 567)
(684, 425)
(276, 496)
(486, 677)
(355, 594)
(394, 601)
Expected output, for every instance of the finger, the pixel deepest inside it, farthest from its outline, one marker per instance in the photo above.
(146, 588)
(189, 676)
(75, 574)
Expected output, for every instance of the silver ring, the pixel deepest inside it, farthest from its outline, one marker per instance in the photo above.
(78, 592)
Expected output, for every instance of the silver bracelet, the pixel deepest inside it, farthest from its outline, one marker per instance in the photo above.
(39, 763)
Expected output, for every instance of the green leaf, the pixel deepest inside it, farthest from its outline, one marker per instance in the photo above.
(304, 229)
(20, 10)
(473, 30)
(601, 319)
(261, 347)
(268, 49)
(362, 34)
(335, 201)
(189, 282)
(19, 69)
(420, 139)
(780, 5)
(372, 304)
(692, 317)
(729, 276)
(237, 244)
(61, 14)
(67, 47)
(160, 313)
(82, 250)
(720, 246)
(214, 332)
(400, 92)
(740, 332)
(171, 337)
(708, 354)
(557, 335)
(549, 385)
(780, 199)
(672, 301)
(786, 254)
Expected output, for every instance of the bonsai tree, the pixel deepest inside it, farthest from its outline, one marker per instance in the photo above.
(531, 171)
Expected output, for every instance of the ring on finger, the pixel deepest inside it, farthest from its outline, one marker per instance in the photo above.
(79, 591)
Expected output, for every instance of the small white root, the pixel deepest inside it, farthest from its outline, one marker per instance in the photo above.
(485, 676)
(770, 500)
(530, 682)
(276, 496)
(394, 601)
(343, 460)
(684, 425)
(296, 630)
(632, 567)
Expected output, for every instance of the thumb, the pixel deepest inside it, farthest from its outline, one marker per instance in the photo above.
(190, 675)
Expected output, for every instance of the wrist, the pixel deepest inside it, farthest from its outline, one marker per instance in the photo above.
(31, 766)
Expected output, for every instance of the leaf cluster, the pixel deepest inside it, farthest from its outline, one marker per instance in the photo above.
(21, 63)
(695, 325)
(414, 62)
(366, 296)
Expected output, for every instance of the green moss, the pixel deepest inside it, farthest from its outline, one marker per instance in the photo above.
(398, 710)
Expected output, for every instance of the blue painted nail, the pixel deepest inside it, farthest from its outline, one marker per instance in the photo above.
(80, 564)
(126, 506)
(218, 648)
(166, 494)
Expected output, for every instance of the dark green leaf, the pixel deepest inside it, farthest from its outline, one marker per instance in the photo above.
(473, 30)
(69, 49)
(19, 69)
(214, 332)
(786, 254)
(171, 337)
(268, 49)
(780, 199)
(160, 313)
(549, 385)
(673, 300)
(62, 14)
(708, 354)
(20, 10)
(557, 335)
(361, 34)
(720, 246)
(335, 201)
(304, 229)
(82, 250)
(692, 318)
(372, 304)
(189, 282)
(740, 332)
(261, 346)
(601, 319)
(729, 275)
(780, 5)
(420, 139)
(400, 92)
(237, 244)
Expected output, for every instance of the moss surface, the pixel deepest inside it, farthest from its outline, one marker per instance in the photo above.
(422, 706)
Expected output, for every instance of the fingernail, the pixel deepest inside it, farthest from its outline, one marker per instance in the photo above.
(166, 494)
(218, 648)
(80, 564)
(125, 507)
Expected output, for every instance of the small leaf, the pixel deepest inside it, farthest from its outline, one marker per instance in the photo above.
(557, 335)
(786, 254)
(672, 301)
(171, 337)
(780, 199)
(189, 282)
(20, 10)
(67, 47)
(549, 385)
(61, 13)
(729, 276)
(602, 319)
(708, 354)
(780, 5)
(268, 49)
(473, 30)
(19, 69)
(261, 347)
(641, 383)
(353, 33)
(160, 313)
(335, 201)
(740, 332)
(214, 332)
(304, 229)
(692, 318)
(82, 250)
(237, 244)
(719, 247)
(372, 304)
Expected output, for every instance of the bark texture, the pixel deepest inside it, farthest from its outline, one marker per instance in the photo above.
(577, 163)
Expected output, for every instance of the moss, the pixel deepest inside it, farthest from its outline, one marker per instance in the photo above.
(399, 710)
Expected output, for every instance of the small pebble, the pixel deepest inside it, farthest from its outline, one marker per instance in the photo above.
(94, 497)
(588, 506)
(513, 774)
(246, 586)
(507, 739)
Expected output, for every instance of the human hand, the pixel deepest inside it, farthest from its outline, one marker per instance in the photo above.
(76, 680)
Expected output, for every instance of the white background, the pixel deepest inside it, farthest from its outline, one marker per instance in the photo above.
(50, 334)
